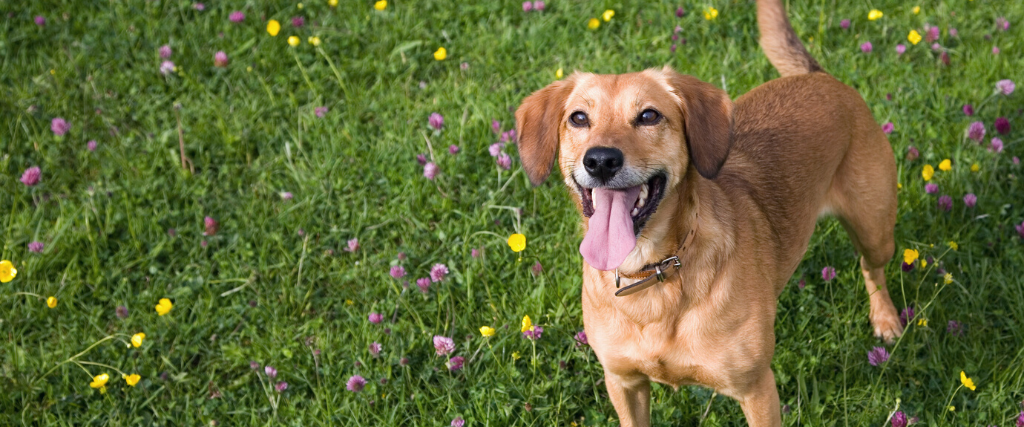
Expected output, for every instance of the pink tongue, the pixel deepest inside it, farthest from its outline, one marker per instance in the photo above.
(610, 236)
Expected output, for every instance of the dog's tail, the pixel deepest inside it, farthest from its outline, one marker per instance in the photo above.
(780, 43)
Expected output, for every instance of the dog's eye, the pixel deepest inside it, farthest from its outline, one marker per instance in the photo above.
(648, 117)
(579, 119)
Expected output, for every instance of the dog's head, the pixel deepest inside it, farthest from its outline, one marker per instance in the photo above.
(625, 144)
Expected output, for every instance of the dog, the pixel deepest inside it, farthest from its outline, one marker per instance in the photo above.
(697, 209)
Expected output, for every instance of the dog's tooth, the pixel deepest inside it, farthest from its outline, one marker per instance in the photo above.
(593, 201)
(643, 192)
(635, 211)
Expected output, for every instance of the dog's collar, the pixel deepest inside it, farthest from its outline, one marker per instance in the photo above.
(658, 270)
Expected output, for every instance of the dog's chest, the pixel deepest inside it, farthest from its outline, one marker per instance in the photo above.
(655, 350)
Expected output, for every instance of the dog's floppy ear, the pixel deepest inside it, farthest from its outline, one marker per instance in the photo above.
(538, 120)
(707, 117)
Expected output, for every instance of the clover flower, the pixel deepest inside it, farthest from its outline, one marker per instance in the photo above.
(397, 271)
(828, 273)
(968, 110)
(320, 111)
(844, 24)
(355, 384)
(91, 145)
(36, 247)
(430, 170)
(945, 203)
(165, 51)
(443, 345)
(996, 146)
(220, 59)
(581, 339)
(376, 318)
(878, 356)
(888, 128)
(281, 386)
(270, 371)
(899, 419)
(352, 245)
(455, 363)
(1002, 125)
(970, 200)
(866, 47)
(59, 126)
(437, 272)
(236, 16)
(375, 348)
(40, 20)
(504, 161)
(423, 283)
(1005, 86)
(166, 67)
(931, 188)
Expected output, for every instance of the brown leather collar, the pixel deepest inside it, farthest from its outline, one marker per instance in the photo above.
(658, 270)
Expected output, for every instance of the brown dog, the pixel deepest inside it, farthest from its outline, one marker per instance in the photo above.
(697, 210)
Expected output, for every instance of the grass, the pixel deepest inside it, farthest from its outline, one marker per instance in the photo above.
(275, 284)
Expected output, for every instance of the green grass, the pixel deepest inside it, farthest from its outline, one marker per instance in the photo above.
(251, 134)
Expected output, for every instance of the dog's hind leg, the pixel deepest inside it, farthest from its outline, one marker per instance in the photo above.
(863, 197)
(631, 399)
(760, 404)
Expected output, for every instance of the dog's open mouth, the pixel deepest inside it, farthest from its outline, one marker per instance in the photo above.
(617, 215)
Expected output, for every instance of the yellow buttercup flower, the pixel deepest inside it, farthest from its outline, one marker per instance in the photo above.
(131, 379)
(527, 324)
(558, 74)
(273, 27)
(517, 242)
(899, 186)
(137, 339)
(51, 302)
(948, 278)
(952, 408)
(349, 302)
(440, 54)
(607, 15)
(710, 13)
(381, 5)
(914, 37)
(332, 3)
(946, 165)
(975, 167)
(953, 245)
(967, 382)
(293, 41)
(910, 255)
(299, 5)
(515, 355)
(874, 14)
(593, 23)
(922, 322)
(924, 263)
(927, 172)
(315, 41)
(487, 331)
(164, 306)
(7, 271)
(99, 381)
(917, 9)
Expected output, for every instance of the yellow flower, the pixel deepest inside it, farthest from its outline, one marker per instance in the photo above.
(953, 245)
(899, 186)
(917, 9)
(164, 306)
(381, 5)
(948, 278)
(710, 13)
(99, 381)
(332, 3)
(874, 14)
(952, 408)
(558, 74)
(922, 322)
(910, 255)
(515, 355)
(527, 324)
(51, 302)
(924, 263)
(137, 339)
(131, 379)
(975, 167)
(914, 37)
(315, 41)
(927, 172)
(517, 242)
(349, 302)
(273, 27)
(487, 331)
(293, 41)
(299, 5)
(440, 54)
(607, 15)
(593, 23)
(967, 382)
(7, 271)
(945, 165)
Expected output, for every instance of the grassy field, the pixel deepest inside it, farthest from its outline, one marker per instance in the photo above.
(315, 207)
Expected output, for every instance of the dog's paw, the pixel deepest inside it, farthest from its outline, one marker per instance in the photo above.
(887, 324)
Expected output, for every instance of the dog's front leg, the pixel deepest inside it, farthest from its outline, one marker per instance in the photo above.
(631, 398)
(760, 403)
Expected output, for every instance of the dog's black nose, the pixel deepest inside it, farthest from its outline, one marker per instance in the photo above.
(603, 162)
